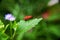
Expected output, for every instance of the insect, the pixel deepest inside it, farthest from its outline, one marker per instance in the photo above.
(27, 17)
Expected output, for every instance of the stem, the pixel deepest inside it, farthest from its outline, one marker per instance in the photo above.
(11, 30)
(5, 28)
(20, 36)
(14, 34)
(14, 29)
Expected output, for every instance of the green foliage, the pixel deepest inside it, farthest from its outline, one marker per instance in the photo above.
(36, 28)
(1, 26)
(54, 29)
(24, 26)
(3, 36)
(28, 8)
(54, 13)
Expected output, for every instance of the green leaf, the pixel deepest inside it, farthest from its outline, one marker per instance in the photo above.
(15, 11)
(1, 25)
(24, 26)
(1, 22)
(27, 25)
(3, 36)
(54, 29)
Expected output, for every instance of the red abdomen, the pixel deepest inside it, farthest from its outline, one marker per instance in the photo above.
(27, 17)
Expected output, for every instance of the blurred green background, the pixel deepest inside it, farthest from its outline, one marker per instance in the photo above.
(47, 29)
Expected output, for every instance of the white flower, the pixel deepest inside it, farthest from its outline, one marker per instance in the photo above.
(52, 2)
(9, 17)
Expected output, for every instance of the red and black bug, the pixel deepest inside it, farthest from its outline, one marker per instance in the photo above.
(27, 17)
